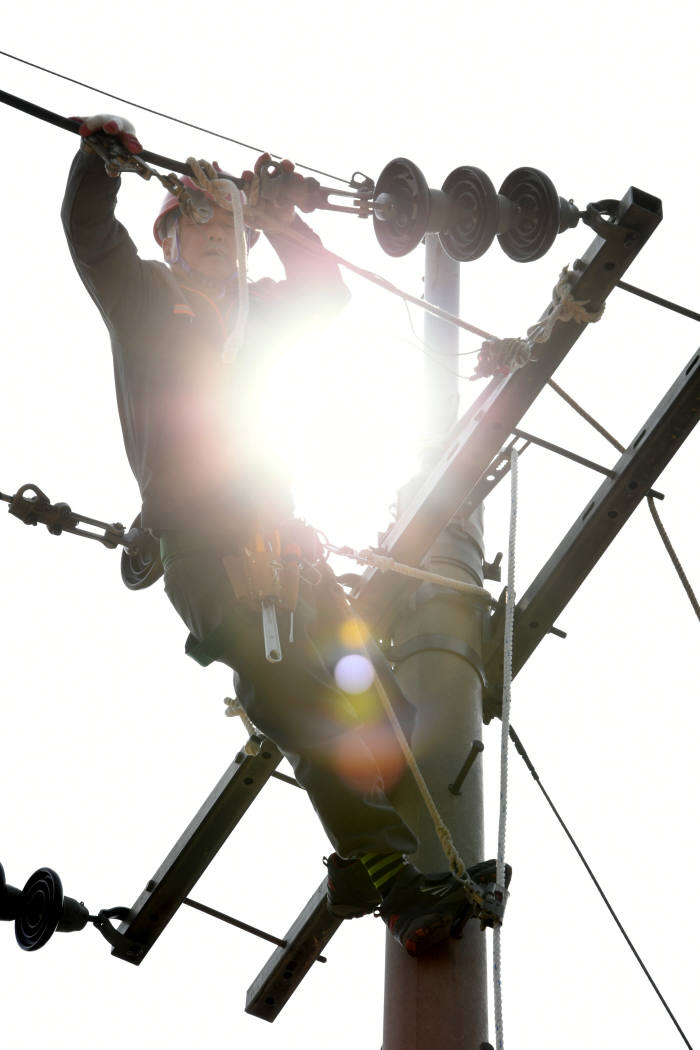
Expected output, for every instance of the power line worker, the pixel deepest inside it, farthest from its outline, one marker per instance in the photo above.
(188, 421)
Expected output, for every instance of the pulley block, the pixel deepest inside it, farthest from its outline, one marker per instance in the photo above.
(473, 215)
(532, 214)
(140, 562)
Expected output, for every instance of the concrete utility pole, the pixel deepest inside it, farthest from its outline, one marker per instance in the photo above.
(439, 999)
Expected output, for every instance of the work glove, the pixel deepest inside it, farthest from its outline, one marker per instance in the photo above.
(117, 148)
(269, 189)
(119, 127)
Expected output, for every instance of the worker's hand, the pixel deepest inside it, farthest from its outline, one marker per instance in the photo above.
(269, 190)
(119, 127)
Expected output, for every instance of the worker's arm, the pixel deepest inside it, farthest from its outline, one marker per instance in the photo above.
(310, 270)
(103, 253)
(313, 290)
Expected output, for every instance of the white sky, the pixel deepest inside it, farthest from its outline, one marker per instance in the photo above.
(112, 739)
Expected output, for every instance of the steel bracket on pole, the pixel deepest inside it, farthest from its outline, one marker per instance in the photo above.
(594, 530)
(194, 851)
(477, 438)
(288, 965)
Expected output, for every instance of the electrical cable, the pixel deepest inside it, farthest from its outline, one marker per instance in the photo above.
(434, 350)
(167, 116)
(528, 762)
(382, 282)
(71, 125)
(434, 354)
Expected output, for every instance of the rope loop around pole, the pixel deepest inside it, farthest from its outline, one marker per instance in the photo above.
(505, 356)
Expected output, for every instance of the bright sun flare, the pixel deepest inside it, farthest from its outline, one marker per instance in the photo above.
(344, 415)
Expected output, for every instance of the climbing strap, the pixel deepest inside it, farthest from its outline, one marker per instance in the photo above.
(504, 356)
(385, 564)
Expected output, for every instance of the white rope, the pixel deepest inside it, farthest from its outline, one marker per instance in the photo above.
(235, 709)
(235, 337)
(505, 729)
(227, 195)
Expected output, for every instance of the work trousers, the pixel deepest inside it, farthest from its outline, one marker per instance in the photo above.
(336, 743)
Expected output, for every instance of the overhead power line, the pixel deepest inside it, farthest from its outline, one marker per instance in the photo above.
(166, 116)
(535, 775)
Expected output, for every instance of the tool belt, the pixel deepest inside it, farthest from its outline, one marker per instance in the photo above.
(266, 575)
(261, 571)
(272, 570)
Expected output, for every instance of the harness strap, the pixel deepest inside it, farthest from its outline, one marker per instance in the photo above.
(445, 643)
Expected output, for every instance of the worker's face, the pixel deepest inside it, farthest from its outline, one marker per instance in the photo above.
(210, 248)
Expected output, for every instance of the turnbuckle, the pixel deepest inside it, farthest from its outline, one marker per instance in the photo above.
(307, 194)
(33, 507)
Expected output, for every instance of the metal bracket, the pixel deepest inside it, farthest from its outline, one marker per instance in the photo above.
(126, 946)
(288, 965)
(630, 482)
(196, 848)
(484, 429)
(476, 749)
(492, 569)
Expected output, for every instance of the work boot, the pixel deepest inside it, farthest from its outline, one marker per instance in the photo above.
(350, 892)
(422, 910)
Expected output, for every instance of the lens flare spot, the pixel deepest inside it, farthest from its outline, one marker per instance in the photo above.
(353, 633)
(368, 763)
(354, 673)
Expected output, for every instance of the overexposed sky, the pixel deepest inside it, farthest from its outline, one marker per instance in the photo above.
(112, 738)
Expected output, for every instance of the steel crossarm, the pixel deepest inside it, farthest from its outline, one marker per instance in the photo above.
(635, 472)
(288, 965)
(195, 849)
(457, 479)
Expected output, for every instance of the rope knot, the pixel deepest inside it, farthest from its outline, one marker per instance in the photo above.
(501, 357)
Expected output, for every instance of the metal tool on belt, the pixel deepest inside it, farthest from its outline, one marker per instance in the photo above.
(267, 578)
